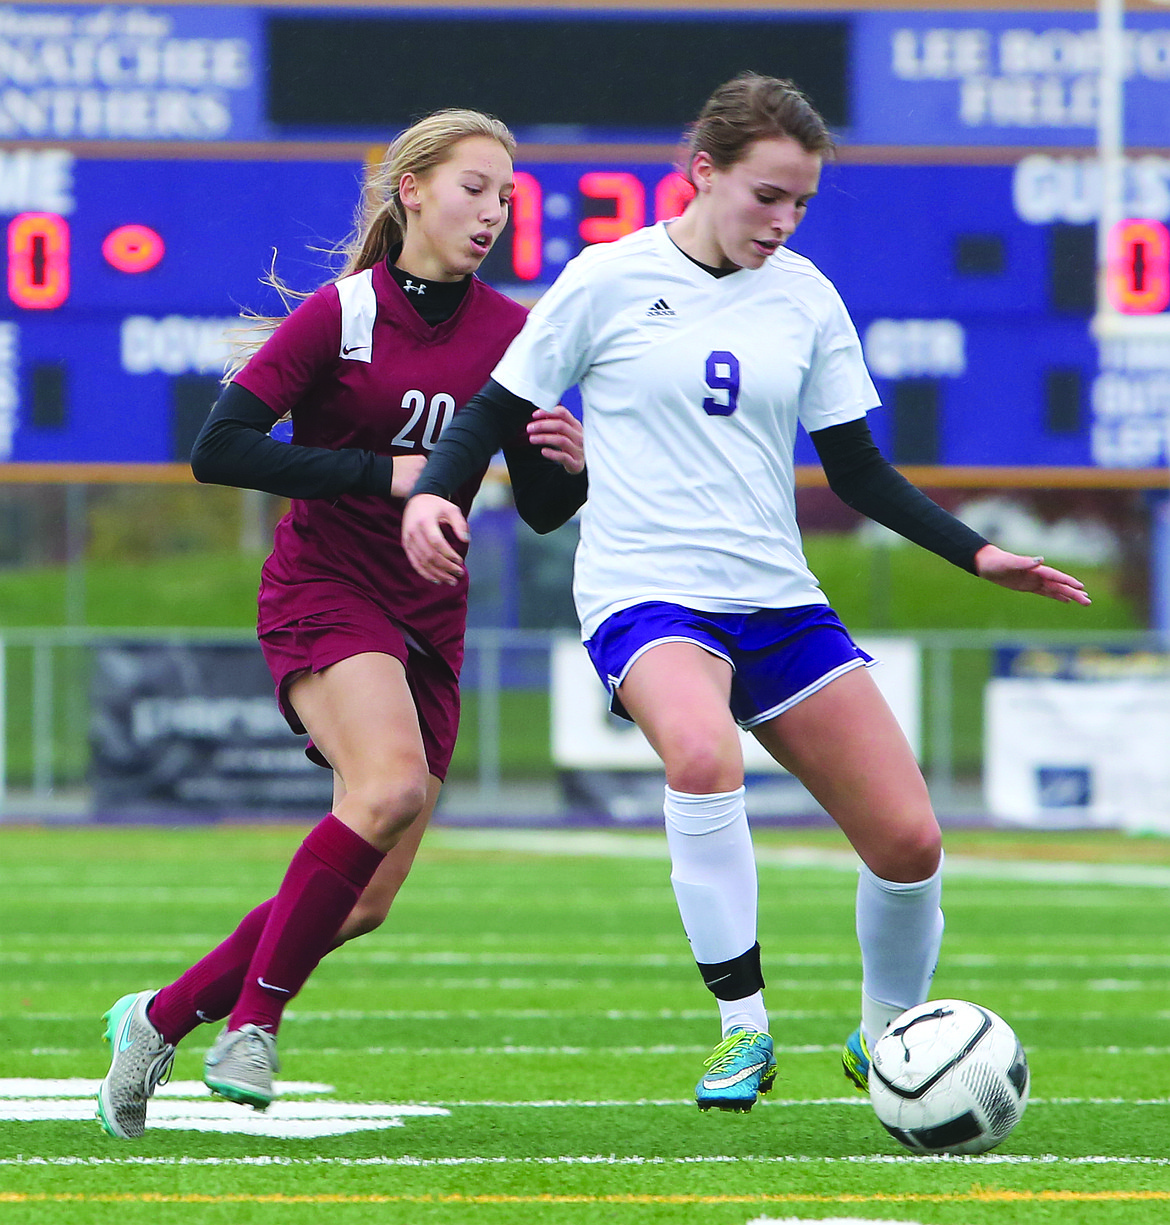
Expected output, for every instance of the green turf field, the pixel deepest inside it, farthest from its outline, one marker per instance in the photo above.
(520, 1042)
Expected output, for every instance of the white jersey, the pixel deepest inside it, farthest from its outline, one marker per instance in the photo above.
(692, 387)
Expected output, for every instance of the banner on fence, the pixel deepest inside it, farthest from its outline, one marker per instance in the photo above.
(1077, 737)
(194, 727)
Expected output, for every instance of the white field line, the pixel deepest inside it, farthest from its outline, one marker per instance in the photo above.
(30, 1088)
(101, 895)
(281, 1121)
(544, 1052)
(632, 1014)
(601, 844)
(78, 1086)
(658, 1049)
(575, 1014)
(445, 957)
(186, 1106)
(95, 947)
(651, 846)
(475, 1052)
(960, 988)
(618, 846)
(418, 939)
(663, 1049)
(504, 1014)
(884, 1159)
(829, 1220)
(794, 985)
(308, 1111)
(291, 1118)
(854, 1099)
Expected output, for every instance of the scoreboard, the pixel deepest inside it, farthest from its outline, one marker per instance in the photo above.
(156, 159)
(1138, 267)
(971, 286)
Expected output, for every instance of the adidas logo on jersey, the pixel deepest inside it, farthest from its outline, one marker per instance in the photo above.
(660, 309)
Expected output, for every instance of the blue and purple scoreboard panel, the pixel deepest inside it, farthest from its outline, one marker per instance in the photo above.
(155, 161)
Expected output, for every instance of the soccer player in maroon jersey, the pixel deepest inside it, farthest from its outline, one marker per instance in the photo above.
(365, 653)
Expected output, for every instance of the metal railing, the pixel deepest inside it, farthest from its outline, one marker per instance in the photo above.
(44, 704)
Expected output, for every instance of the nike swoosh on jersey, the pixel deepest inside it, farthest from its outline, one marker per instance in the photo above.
(272, 986)
(352, 349)
(728, 1081)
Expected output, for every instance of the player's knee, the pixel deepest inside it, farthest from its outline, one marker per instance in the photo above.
(912, 854)
(393, 804)
(363, 919)
(700, 765)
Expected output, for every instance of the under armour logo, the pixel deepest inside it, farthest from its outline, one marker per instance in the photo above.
(411, 287)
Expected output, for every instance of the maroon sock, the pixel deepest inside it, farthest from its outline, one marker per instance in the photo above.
(327, 875)
(209, 989)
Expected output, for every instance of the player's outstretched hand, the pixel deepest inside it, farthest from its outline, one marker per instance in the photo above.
(1028, 574)
(428, 549)
(407, 470)
(559, 436)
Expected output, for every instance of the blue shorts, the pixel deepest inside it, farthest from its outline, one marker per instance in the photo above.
(779, 656)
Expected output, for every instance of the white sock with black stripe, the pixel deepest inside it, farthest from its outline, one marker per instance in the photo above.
(713, 872)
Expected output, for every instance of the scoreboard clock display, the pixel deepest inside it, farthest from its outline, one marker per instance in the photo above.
(123, 276)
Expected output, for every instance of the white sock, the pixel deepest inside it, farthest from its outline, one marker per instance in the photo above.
(748, 1013)
(713, 872)
(900, 929)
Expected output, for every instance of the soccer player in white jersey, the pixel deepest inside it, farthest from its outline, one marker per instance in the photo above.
(698, 345)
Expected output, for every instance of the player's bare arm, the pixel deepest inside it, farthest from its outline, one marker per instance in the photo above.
(407, 470)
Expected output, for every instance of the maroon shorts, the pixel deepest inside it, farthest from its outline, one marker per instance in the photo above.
(313, 643)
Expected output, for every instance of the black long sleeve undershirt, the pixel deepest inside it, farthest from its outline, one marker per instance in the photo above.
(233, 448)
(861, 476)
(546, 495)
(491, 417)
(858, 473)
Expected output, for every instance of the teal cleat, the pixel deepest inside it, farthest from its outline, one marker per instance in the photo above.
(739, 1070)
(855, 1060)
(140, 1061)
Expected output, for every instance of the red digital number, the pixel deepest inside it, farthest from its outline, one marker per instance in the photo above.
(629, 197)
(671, 196)
(38, 260)
(1137, 275)
(133, 248)
(527, 238)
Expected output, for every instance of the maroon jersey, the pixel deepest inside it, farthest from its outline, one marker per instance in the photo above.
(357, 367)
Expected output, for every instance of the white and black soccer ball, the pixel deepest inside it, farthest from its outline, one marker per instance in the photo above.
(948, 1076)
